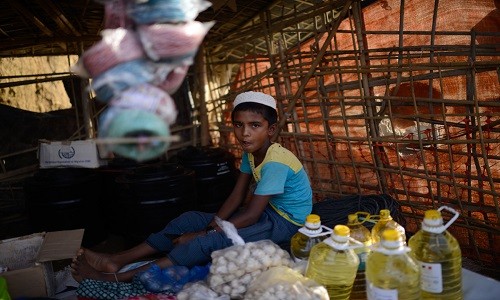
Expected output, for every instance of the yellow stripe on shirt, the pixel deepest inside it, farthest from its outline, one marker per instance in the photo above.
(276, 153)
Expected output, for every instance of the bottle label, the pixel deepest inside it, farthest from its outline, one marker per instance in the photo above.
(431, 277)
(375, 293)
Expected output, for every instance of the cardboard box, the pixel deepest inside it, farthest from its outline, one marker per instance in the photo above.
(82, 154)
(30, 261)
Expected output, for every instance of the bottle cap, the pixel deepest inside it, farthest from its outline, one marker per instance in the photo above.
(341, 240)
(432, 214)
(313, 222)
(391, 235)
(312, 218)
(432, 219)
(341, 230)
(391, 242)
(352, 219)
(385, 214)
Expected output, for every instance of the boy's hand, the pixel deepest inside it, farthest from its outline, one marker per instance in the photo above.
(186, 237)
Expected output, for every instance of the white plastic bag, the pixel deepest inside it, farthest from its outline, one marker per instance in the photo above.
(285, 283)
(233, 269)
(199, 291)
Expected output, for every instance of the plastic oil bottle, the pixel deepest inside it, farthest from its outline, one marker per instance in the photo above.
(439, 256)
(386, 222)
(309, 235)
(391, 273)
(333, 263)
(362, 234)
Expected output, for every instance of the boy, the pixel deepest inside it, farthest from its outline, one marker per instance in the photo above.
(279, 205)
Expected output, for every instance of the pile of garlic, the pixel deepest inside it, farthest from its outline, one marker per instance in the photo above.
(234, 268)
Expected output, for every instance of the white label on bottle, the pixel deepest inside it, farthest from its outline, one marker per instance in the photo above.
(431, 277)
(375, 293)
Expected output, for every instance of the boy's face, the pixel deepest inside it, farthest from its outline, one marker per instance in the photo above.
(252, 131)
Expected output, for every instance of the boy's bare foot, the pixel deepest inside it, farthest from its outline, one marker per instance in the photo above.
(81, 269)
(102, 262)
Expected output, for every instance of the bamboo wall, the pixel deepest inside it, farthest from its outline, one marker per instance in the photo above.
(398, 97)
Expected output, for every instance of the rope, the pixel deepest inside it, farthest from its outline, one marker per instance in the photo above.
(335, 211)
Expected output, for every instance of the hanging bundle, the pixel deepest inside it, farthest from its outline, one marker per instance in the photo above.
(149, 98)
(143, 58)
(133, 133)
(162, 11)
(116, 46)
(172, 41)
(112, 82)
(174, 79)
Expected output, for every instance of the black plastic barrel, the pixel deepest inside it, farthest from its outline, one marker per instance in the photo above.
(111, 190)
(14, 220)
(215, 174)
(151, 196)
(66, 198)
(14, 225)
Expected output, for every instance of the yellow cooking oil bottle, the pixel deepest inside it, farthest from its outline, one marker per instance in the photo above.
(391, 273)
(301, 243)
(362, 234)
(385, 221)
(439, 256)
(333, 263)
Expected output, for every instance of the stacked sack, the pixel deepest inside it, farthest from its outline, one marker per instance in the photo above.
(143, 57)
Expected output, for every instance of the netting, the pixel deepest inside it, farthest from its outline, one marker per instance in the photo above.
(395, 98)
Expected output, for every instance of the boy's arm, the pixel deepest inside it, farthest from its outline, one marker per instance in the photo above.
(252, 213)
(235, 199)
(230, 205)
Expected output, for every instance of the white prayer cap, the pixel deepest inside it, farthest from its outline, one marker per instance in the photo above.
(256, 97)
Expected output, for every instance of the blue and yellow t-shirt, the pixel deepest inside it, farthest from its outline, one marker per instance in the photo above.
(282, 176)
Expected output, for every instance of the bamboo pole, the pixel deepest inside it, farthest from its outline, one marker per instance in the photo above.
(366, 91)
(311, 71)
(201, 73)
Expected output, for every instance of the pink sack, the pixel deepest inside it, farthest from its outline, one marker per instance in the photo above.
(117, 46)
(174, 79)
(149, 98)
(164, 40)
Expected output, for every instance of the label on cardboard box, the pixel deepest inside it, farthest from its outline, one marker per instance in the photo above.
(81, 154)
